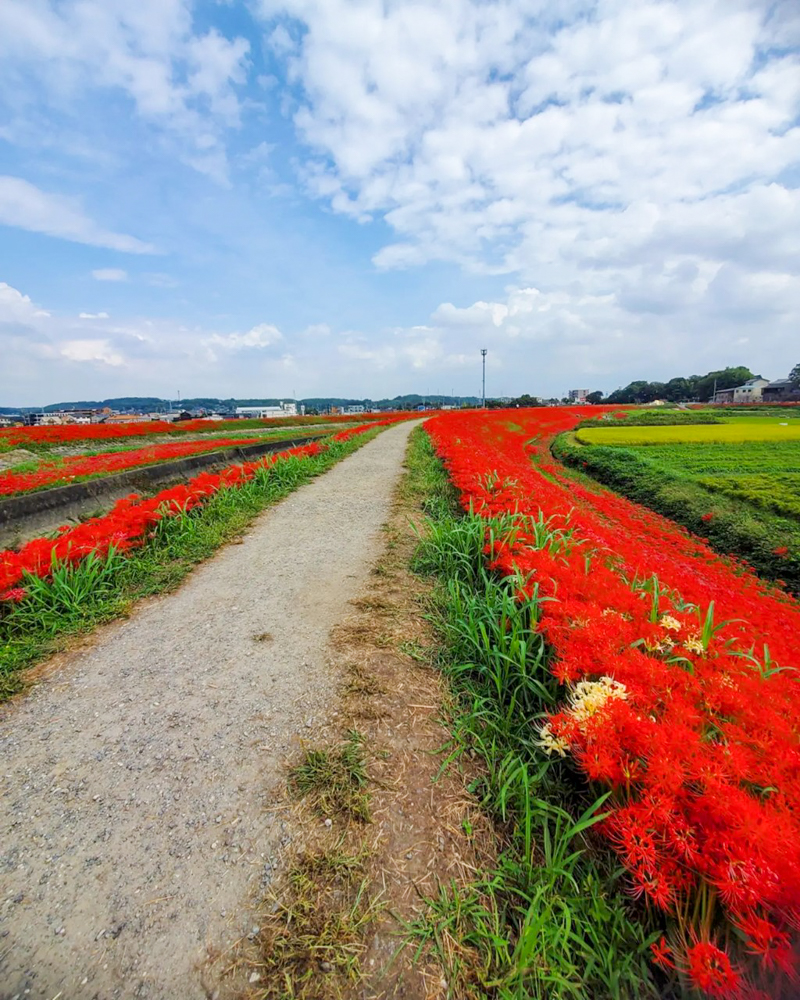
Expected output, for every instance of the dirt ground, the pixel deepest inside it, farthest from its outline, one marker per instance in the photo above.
(140, 777)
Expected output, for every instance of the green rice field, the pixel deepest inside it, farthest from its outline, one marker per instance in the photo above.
(736, 481)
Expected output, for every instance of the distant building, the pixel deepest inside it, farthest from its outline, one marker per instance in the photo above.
(78, 416)
(267, 412)
(750, 392)
(577, 395)
(780, 391)
(56, 417)
(44, 419)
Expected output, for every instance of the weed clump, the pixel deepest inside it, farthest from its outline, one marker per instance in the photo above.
(335, 778)
(311, 945)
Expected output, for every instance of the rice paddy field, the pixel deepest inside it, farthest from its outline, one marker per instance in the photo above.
(762, 430)
(735, 480)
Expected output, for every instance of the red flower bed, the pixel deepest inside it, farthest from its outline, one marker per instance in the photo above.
(69, 433)
(128, 523)
(52, 473)
(682, 696)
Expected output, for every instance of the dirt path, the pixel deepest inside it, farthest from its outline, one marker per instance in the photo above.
(137, 780)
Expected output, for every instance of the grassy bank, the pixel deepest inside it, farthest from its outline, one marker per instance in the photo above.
(551, 919)
(79, 598)
(769, 542)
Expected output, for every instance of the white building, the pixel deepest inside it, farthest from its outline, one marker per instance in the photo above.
(267, 412)
(750, 392)
(577, 395)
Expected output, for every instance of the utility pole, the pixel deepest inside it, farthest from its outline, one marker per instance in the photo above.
(483, 355)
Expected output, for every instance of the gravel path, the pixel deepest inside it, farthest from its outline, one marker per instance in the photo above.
(137, 779)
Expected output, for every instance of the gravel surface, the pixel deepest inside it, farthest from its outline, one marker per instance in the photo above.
(137, 778)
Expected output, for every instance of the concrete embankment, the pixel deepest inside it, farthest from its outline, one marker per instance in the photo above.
(31, 514)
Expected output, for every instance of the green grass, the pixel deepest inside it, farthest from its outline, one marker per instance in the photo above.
(81, 597)
(649, 418)
(550, 921)
(680, 418)
(778, 492)
(745, 458)
(764, 475)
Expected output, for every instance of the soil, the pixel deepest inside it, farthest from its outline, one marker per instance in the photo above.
(140, 777)
(19, 456)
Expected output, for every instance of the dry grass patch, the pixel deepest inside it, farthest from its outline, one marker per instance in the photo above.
(361, 683)
(311, 945)
(334, 779)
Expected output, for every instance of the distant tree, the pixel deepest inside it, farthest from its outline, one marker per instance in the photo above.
(725, 378)
(678, 390)
(634, 392)
(595, 397)
(794, 376)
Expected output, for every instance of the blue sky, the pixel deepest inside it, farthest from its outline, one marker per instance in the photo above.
(351, 197)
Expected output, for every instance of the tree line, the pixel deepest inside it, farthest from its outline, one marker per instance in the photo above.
(682, 389)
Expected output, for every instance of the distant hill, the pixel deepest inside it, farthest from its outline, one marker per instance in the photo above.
(153, 403)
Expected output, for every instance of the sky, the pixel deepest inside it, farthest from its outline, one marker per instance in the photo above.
(257, 198)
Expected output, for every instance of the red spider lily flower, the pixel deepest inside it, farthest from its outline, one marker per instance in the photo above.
(131, 520)
(703, 752)
(656, 887)
(79, 467)
(710, 969)
(781, 550)
(14, 595)
(662, 953)
(767, 941)
(707, 517)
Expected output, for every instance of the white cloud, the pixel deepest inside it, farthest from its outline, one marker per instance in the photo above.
(149, 51)
(91, 351)
(259, 336)
(110, 274)
(14, 306)
(25, 206)
(539, 341)
(598, 149)
(160, 280)
(91, 354)
(281, 41)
